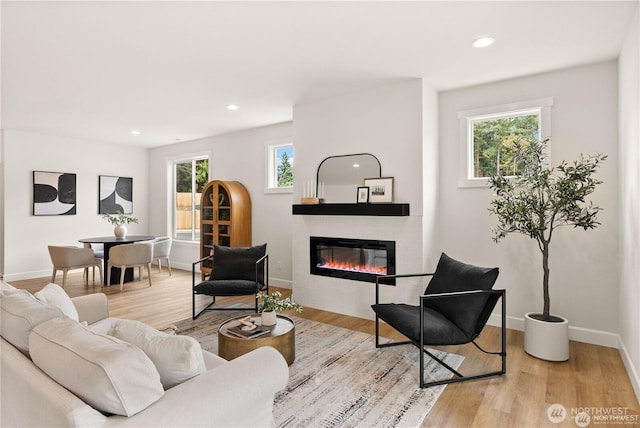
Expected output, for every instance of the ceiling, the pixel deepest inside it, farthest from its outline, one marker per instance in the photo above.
(98, 70)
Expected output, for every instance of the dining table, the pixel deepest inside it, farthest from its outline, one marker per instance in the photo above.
(110, 241)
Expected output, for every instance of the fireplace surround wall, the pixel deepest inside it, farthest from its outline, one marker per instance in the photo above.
(356, 259)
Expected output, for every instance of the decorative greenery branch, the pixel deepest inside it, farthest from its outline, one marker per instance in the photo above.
(268, 303)
(119, 218)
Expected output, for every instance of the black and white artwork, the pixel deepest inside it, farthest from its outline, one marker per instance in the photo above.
(54, 193)
(116, 195)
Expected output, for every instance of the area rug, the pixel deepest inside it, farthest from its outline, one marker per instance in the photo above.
(340, 379)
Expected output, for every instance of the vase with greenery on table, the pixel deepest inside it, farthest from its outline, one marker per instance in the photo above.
(535, 203)
(119, 220)
(270, 304)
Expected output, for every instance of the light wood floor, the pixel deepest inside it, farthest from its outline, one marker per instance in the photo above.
(594, 377)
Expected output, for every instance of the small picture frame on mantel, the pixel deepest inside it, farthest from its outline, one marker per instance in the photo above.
(363, 195)
(380, 189)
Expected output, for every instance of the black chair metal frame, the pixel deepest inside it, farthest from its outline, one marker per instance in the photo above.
(421, 345)
(264, 260)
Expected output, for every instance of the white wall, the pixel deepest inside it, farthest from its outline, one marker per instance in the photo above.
(430, 173)
(629, 123)
(26, 236)
(386, 122)
(584, 265)
(233, 157)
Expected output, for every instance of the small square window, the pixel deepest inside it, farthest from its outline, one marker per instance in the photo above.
(279, 167)
(494, 137)
(488, 135)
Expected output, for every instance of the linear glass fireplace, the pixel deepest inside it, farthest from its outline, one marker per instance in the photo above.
(357, 259)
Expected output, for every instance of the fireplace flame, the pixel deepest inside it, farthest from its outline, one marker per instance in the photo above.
(350, 267)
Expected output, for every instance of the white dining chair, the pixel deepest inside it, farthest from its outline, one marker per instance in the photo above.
(161, 251)
(128, 256)
(69, 258)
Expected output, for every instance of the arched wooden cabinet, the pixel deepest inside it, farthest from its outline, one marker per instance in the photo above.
(225, 218)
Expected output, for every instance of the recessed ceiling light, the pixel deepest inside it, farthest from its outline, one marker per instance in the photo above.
(232, 107)
(356, 165)
(135, 132)
(483, 42)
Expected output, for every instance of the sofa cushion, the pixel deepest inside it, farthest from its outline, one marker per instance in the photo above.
(109, 374)
(7, 289)
(20, 312)
(5, 286)
(55, 295)
(176, 357)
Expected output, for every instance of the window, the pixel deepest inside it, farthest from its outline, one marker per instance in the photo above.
(487, 138)
(279, 167)
(190, 176)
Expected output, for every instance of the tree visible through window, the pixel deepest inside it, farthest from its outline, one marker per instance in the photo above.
(285, 169)
(279, 167)
(493, 141)
(191, 176)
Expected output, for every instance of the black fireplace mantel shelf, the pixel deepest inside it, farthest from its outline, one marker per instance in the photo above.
(378, 209)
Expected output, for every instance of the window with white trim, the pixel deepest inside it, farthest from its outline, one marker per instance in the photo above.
(487, 138)
(279, 166)
(190, 176)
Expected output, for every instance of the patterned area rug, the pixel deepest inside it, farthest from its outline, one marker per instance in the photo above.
(340, 379)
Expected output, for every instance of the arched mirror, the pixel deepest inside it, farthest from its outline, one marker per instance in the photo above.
(338, 177)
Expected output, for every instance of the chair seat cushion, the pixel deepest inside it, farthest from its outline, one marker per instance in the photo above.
(227, 287)
(438, 330)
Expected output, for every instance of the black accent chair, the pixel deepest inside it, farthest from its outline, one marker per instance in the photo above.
(453, 310)
(235, 271)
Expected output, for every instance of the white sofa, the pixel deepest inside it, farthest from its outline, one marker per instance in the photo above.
(229, 393)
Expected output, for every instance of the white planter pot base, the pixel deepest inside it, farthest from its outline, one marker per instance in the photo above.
(269, 318)
(546, 340)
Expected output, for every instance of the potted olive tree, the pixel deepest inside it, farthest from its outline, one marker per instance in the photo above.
(535, 203)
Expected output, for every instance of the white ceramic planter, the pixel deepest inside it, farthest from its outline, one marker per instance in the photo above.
(546, 340)
(269, 318)
(120, 231)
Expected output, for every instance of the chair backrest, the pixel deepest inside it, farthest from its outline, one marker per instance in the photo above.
(467, 311)
(161, 247)
(131, 254)
(237, 263)
(70, 256)
(98, 249)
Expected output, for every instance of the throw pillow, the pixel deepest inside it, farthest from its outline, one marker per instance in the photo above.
(176, 357)
(54, 294)
(452, 275)
(20, 312)
(237, 262)
(110, 375)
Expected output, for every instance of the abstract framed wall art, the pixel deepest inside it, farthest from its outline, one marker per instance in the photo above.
(54, 193)
(115, 195)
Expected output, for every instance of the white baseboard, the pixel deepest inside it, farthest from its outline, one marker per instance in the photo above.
(632, 371)
(579, 334)
(182, 266)
(281, 283)
(29, 275)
